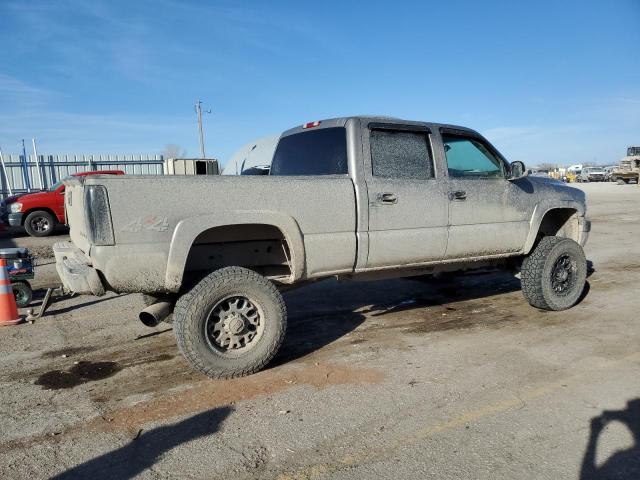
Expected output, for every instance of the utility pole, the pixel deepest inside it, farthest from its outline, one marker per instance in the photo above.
(25, 168)
(35, 155)
(200, 132)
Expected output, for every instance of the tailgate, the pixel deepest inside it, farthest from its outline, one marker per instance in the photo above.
(75, 214)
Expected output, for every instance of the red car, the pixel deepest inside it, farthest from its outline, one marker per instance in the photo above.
(39, 212)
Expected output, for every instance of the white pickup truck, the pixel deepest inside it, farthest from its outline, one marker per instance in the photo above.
(358, 197)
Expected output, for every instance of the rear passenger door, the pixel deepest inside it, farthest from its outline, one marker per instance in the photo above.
(408, 207)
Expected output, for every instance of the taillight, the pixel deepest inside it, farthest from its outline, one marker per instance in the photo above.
(98, 215)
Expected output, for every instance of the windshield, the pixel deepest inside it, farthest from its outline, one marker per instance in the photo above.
(631, 151)
(56, 185)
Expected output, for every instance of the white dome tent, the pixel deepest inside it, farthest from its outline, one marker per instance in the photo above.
(254, 155)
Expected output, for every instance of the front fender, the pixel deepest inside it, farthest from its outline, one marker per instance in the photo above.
(539, 213)
(188, 229)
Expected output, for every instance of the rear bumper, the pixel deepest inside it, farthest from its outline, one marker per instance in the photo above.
(75, 270)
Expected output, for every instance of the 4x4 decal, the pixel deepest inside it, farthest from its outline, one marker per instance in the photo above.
(150, 224)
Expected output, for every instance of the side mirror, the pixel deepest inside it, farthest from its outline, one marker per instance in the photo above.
(517, 170)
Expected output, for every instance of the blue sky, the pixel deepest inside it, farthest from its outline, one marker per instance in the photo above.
(546, 81)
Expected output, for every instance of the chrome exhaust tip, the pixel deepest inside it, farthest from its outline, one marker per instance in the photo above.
(156, 313)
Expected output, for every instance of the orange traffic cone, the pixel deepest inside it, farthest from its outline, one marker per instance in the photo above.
(8, 308)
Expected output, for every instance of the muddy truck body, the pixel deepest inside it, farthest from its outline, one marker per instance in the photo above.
(352, 198)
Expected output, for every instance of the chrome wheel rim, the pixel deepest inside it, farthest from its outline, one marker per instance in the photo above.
(234, 325)
(40, 224)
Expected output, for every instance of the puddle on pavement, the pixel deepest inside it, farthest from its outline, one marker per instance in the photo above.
(81, 373)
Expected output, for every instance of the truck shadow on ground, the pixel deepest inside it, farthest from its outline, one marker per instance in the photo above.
(146, 448)
(20, 232)
(38, 296)
(623, 464)
(332, 309)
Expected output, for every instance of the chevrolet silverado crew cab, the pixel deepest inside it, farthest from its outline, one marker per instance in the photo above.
(358, 197)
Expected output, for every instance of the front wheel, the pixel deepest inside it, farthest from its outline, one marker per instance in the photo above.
(231, 323)
(554, 273)
(39, 223)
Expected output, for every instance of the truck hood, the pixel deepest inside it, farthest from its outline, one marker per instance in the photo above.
(552, 188)
(32, 196)
(36, 197)
(536, 179)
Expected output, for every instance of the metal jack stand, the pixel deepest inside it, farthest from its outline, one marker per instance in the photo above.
(46, 303)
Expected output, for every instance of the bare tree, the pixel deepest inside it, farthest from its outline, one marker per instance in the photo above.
(173, 151)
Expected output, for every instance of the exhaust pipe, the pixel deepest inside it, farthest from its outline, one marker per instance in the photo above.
(156, 313)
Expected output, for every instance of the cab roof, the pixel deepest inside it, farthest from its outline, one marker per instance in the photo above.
(342, 121)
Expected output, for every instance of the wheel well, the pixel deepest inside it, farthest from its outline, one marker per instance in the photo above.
(560, 222)
(37, 209)
(259, 247)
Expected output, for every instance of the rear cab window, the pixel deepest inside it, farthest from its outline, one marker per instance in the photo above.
(313, 152)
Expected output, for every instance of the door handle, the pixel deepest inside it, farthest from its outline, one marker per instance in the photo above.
(390, 198)
(458, 195)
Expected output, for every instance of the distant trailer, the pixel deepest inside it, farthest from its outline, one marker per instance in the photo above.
(191, 166)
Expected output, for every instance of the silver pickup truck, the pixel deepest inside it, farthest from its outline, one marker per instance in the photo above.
(358, 197)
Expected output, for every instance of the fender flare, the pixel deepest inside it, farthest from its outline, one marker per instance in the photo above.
(539, 212)
(187, 231)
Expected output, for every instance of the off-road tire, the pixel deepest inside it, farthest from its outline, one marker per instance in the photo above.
(537, 268)
(193, 309)
(621, 181)
(43, 215)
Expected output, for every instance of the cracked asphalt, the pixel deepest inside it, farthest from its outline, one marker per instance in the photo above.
(456, 379)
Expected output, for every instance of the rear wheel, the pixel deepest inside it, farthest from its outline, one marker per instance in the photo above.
(39, 223)
(554, 274)
(231, 323)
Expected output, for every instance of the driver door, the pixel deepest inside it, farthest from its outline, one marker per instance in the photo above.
(484, 219)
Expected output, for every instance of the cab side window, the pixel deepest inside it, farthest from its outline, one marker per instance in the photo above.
(469, 157)
(400, 154)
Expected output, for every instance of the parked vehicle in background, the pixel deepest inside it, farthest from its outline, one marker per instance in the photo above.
(607, 172)
(534, 172)
(353, 198)
(571, 176)
(39, 212)
(257, 170)
(591, 174)
(628, 170)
